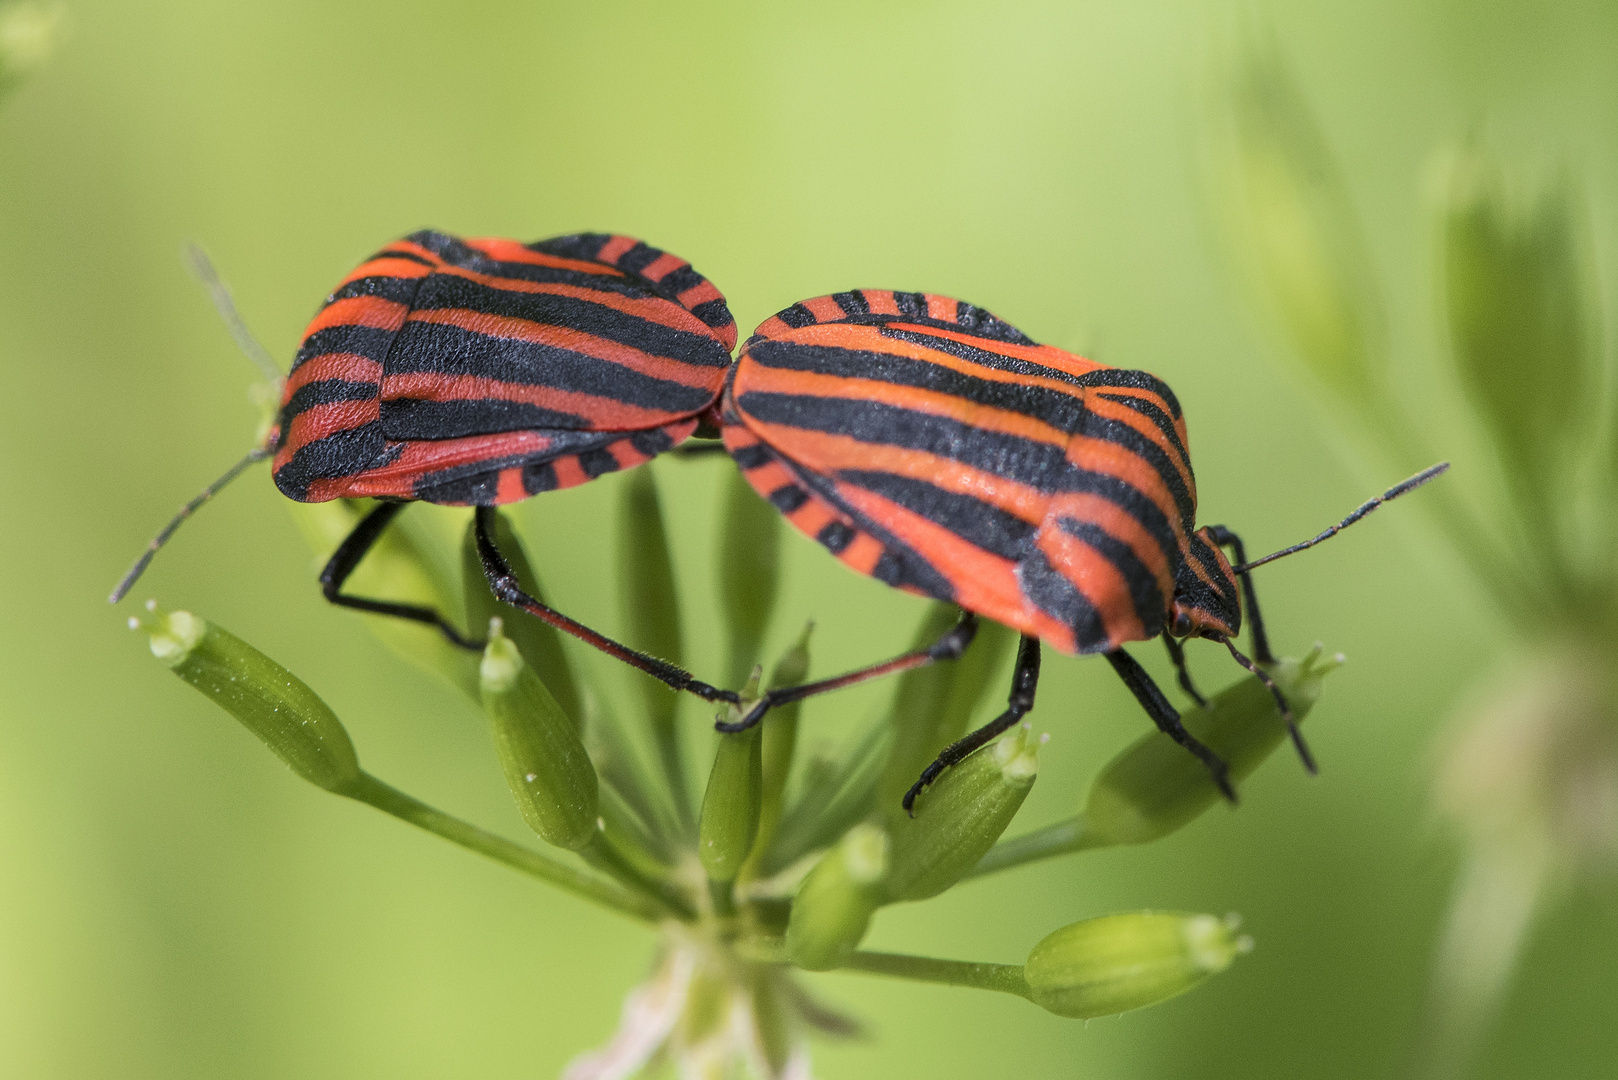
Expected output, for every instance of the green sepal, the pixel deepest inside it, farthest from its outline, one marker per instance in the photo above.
(268, 699)
(960, 816)
(833, 907)
(749, 571)
(538, 745)
(1105, 966)
(538, 641)
(1154, 786)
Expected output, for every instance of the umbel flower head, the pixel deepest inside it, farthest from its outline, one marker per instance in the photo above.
(782, 863)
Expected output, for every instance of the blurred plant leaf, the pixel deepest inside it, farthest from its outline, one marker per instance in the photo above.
(1522, 327)
(403, 565)
(749, 571)
(29, 35)
(1288, 216)
(651, 614)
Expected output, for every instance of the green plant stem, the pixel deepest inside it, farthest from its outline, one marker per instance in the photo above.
(1058, 838)
(391, 800)
(1005, 978)
(601, 854)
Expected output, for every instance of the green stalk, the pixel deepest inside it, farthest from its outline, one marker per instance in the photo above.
(391, 800)
(1058, 838)
(1004, 978)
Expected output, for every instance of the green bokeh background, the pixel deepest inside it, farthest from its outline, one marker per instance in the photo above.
(174, 904)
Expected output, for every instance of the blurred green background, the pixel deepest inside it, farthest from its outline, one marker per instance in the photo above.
(173, 903)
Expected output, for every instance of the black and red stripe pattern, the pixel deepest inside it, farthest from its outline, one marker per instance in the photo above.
(934, 446)
(483, 371)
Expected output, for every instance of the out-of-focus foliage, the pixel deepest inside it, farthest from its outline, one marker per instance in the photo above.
(1527, 780)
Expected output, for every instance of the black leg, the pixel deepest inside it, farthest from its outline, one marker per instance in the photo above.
(1166, 718)
(504, 584)
(1177, 654)
(1281, 702)
(1024, 680)
(948, 647)
(348, 556)
(1261, 641)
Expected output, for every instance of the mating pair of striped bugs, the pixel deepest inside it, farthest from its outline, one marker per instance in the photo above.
(920, 439)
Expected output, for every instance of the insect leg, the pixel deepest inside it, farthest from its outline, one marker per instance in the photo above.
(1166, 718)
(1024, 680)
(1302, 747)
(1177, 654)
(506, 588)
(948, 647)
(348, 556)
(1261, 641)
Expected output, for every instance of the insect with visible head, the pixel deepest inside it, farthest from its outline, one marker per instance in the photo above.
(933, 446)
(481, 372)
(921, 439)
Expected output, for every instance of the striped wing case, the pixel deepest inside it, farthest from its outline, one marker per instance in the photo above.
(935, 447)
(483, 371)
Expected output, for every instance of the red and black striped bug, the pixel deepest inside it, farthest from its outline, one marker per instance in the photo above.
(481, 372)
(933, 446)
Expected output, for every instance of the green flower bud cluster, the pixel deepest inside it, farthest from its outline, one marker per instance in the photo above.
(787, 860)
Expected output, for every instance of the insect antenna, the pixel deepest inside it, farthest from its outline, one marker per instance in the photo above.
(199, 264)
(257, 454)
(1393, 492)
(202, 266)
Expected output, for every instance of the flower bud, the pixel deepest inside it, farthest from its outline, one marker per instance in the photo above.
(932, 705)
(833, 907)
(1104, 966)
(778, 742)
(539, 642)
(1154, 786)
(961, 816)
(550, 774)
(267, 698)
(730, 806)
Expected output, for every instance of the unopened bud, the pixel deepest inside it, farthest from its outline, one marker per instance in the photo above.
(545, 763)
(730, 806)
(961, 816)
(1104, 966)
(1154, 786)
(268, 699)
(539, 643)
(834, 905)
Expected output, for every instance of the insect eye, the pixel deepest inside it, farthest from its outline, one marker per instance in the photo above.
(1182, 624)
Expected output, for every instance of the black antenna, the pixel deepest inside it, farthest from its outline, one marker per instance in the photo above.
(219, 293)
(255, 455)
(1392, 493)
